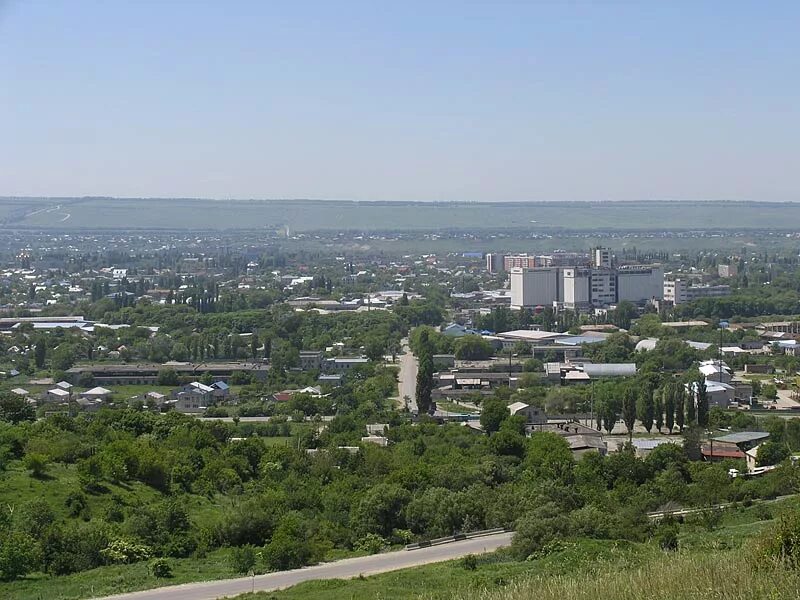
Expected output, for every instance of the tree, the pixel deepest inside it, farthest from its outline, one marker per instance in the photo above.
(645, 408)
(629, 409)
(494, 412)
(771, 453)
(380, 510)
(680, 401)
(669, 406)
(424, 383)
(609, 415)
(15, 409)
(36, 463)
(691, 411)
(63, 358)
(19, 555)
(658, 400)
(167, 376)
(423, 346)
(254, 345)
(472, 347)
(702, 404)
(549, 456)
(40, 354)
(623, 315)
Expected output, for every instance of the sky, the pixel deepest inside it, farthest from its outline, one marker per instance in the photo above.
(436, 100)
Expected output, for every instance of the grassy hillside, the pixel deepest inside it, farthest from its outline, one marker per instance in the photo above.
(306, 215)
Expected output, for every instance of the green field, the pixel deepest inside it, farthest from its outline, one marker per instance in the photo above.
(309, 215)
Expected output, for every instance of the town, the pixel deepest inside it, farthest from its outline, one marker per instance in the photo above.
(174, 380)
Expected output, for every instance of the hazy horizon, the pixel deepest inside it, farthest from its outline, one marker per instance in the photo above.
(419, 102)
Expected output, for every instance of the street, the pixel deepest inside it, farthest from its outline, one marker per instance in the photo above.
(340, 569)
(408, 378)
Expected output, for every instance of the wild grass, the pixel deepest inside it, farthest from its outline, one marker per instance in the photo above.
(683, 576)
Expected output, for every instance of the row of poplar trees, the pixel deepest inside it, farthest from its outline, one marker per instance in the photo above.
(670, 406)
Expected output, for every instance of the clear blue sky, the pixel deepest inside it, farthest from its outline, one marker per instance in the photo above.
(401, 100)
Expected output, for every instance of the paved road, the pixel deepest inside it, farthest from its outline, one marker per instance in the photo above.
(408, 377)
(341, 569)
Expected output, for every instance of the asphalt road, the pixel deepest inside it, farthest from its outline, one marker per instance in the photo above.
(408, 377)
(341, 569)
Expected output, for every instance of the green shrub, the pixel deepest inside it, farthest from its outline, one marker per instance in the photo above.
(160, 568)
(371, 543)
(125, 551)
(36, 463)
(667, 537)
(780, 544)
(469, 562)
(243, 558)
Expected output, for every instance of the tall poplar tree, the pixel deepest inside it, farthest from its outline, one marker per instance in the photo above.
(669, 406)
(702, 404)
(629, 409)
(680, 401)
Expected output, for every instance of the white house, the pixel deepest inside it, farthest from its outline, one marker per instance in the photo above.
(96, 393)
(532, 414)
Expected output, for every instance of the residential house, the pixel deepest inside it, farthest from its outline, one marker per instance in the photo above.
(56, 395)
(96, 393)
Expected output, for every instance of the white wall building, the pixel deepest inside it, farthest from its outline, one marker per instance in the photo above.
(576, 285)
(534, 287)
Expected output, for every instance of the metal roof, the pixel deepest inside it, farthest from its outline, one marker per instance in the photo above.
(577, 340)
(610, 369)
(742, 437)
(651, 444)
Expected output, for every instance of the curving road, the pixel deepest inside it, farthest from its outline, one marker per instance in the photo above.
(340, 569)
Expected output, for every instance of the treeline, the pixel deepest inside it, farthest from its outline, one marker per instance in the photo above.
(293, 507)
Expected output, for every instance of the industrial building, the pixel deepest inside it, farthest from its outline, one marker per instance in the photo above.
(640, 283)
(535, 287)
(578, 287)
(680, 291)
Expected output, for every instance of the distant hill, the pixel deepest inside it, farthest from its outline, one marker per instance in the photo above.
(310, 215)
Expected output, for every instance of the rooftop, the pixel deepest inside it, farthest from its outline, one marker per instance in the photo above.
(742, 437)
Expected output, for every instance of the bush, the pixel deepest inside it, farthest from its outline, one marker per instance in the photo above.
(36, 463)
(125, 551)
(18, 555)
(160, 568)
(667, 537)
(469, 562)
(243, 558)
(780, 544)
(371, 543)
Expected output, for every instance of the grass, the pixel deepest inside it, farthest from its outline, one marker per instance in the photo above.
(682, 576)
(457, 408)
(584, 564)
(115, 579)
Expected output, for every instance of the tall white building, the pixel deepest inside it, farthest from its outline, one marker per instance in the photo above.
(534, 287)
(640, 283)
(576, 285)
(601, 258)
